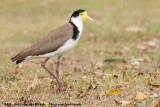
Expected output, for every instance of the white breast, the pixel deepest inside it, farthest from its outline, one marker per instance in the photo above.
(78, 21)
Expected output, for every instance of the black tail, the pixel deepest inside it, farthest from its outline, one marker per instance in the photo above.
(22, 55)
(19, 61)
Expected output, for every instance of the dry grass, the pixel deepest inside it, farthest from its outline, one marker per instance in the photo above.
(85, 73)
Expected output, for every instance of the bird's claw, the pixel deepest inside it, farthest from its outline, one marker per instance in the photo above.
(58, 87)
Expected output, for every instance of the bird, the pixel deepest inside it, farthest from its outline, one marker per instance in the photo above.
(56, 43)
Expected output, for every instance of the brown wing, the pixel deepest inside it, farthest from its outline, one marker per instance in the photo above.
(49, 43)
(53, 40)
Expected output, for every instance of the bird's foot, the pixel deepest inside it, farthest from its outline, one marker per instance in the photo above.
(58, 87)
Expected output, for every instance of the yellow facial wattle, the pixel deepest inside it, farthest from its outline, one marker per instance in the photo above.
(85, 16)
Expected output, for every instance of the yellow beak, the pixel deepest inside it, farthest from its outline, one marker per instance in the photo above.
(85, 17)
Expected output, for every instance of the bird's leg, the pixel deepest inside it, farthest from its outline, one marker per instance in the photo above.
(57, 69)
(57, 72)
(59, 82)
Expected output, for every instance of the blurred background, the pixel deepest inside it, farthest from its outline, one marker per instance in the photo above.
(123, 29)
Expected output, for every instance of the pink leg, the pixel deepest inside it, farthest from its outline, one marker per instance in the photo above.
(57, 78)
(57, 70)
(57, 73)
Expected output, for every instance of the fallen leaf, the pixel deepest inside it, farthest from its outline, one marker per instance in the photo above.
(158, 104)
(152, 43)
(125, 66)
(153, 96)
(140, 74)
(148, 45)
(125, 102)
(148, 79)
(115, 76)
(117, 102)
(138, 59)
(99, 65)
(153, 89)
(155, 85)
(134, 29)
(135, 63)
(134, 66)
(142, 47)
(140, 96)
(112, 92)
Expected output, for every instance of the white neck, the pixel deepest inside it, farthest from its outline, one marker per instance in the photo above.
(78, 21)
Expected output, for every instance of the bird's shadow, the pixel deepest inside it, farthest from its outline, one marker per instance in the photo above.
(115, 61)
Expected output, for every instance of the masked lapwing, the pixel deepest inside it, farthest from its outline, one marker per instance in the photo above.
(56, 43)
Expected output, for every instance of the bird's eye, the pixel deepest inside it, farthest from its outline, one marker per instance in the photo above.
(80, 13)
